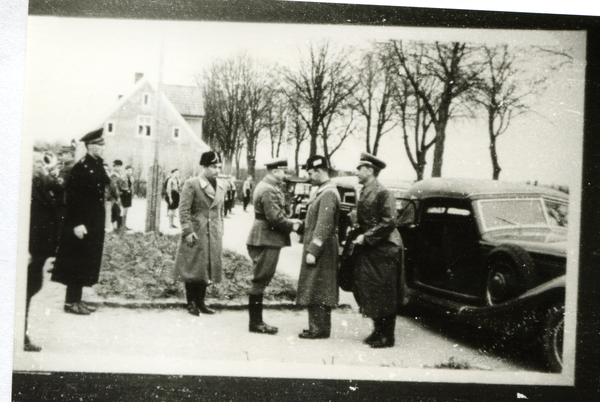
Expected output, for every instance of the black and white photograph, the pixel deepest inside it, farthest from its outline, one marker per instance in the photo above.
(359, 197)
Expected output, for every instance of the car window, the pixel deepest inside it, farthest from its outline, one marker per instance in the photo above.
(512, 212)
(558, 212)
(406, 211)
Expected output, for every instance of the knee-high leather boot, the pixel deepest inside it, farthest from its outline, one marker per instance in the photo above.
(200, 301)
(388, 328)
(255, 307)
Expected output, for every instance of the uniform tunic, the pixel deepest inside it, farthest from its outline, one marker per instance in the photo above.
(78, 260)
(201, 212)
(317, 284)
(269, 233)
(377, 261)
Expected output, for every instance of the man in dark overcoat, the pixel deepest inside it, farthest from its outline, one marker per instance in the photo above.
(199, 255)
(269, 233)
(378, 254)
(79, 254)
(317, 285)
(43, 234)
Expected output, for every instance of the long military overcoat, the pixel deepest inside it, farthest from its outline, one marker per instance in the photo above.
(78, 261)
(318, 284)
(201, 212)
(378, 261)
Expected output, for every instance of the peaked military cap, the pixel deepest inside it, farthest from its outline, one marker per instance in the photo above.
(277, 163)
(370, 160)
(316, 162)
(210, 158)
(94, 137)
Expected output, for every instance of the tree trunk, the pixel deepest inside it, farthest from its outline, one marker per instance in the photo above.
(438, 152)
(493, 153)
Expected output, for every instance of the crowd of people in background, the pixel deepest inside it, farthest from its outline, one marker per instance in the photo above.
(75, 204)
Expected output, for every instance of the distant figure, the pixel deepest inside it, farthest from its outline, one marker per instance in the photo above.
(111, 196)
(79, 254)
(318, 285)
(269, 233)
(378, 253)
(126, 194)
(231, 194)
(198, 261)
(172, 196)
(247, 190)
(43, 235)
(117, 181)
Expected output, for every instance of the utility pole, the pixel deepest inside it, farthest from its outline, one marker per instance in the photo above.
(154, 189)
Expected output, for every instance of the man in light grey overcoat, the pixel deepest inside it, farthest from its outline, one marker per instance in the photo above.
(318, 285)
(198, 261)
(269, 233)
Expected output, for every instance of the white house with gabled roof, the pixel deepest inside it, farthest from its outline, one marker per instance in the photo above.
(130, 128)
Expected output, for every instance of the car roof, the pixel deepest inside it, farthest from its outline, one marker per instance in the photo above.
(352, 182)
(478, 188)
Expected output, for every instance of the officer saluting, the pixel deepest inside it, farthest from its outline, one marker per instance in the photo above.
(79, 254)
(269, 233)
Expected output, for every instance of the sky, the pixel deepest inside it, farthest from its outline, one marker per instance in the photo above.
(76, 69)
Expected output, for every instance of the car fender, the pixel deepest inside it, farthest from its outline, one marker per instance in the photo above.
(531, 299)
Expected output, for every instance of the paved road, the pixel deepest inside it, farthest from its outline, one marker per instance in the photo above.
(171, 341)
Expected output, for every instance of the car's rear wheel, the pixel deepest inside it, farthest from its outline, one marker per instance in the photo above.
(552, 337)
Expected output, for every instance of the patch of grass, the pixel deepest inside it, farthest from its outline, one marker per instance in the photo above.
(453, 364)
(139, 266)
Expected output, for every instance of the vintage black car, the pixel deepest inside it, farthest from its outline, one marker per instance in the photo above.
(488, 252)
(297, 193)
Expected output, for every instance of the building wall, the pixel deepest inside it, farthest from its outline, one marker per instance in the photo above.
(135, 150)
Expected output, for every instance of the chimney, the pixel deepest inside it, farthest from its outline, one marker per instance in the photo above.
(138, 76)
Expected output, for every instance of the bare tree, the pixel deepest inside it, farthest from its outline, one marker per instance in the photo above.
(319, 88)
(297, 133)
(372, 97)
(510, 84)
(414, 122)
(223, 102)
(335, 130)
(277, 117)
(256, 104)
(454, 67)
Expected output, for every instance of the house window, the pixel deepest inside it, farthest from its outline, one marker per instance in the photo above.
(110, 128)
(144, 126)
(145, 99)
(175, 133)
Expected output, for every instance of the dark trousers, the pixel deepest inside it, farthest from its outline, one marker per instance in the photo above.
(74, 294)
(246, 199)
(319, 319)
(35, 277)
(264, 264)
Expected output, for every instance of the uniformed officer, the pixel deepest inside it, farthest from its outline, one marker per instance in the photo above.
(79, 254)
(317, 285)
(378, 254)
(269, 233)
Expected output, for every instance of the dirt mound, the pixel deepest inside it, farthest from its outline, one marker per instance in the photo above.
(139, 266)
